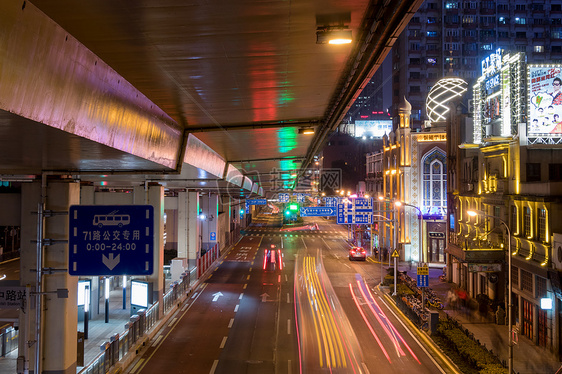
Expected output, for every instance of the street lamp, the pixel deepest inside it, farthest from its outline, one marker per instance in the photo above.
(395, 221)
(420, 217)
(473, 213)
(380, 250)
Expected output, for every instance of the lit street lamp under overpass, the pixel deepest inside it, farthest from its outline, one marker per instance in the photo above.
(473, 213)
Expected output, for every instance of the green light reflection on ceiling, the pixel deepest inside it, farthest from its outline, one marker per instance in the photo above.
(287, 140)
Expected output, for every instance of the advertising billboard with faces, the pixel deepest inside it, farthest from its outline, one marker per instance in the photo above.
(545, 101)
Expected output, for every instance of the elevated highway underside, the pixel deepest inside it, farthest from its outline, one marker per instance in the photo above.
(181, 90)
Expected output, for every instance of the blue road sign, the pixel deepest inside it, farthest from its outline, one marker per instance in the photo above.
(356, 211)
(111, 239)
(256, 202)
(300, 198)
(284, 197)
(317, 211)
(213, 236)
(331, 201)
(423, 280)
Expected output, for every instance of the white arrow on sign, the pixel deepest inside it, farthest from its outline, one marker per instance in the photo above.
(217, 295)
(110, 262)
(264, 297)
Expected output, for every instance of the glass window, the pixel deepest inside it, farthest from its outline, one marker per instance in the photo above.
(527, 220)
(538, 48)
(542, 224)
(520, 21)
(526, 281)
(435, 179)
(515, 276)
(513, 223)
(533, 172)
(541, 286)
(556, 32)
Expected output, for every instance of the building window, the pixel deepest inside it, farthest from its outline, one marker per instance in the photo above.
(503, 34)
(415, 46)
(519, 6)
(520, 21)
(414, 75)
(451, 4)
(521, 34)
(470, 5)
(556, 49)
(434, 179)
(432, 61)
(538, 48)
(555, 170)
(414, 88)
(515, 276)
(468, 20)
(556, 21)
(521, 48)
(537, 7)
(556, 32)
(526, 281)
(527, 220)
(452, 32)
(431, 20)
(415, 33)
(513, 223)
(497, 216)
(503, 7)
(542, 224)
(432, 34)
(503, 21)
(556, 7)
(540, 287)
(533, 172)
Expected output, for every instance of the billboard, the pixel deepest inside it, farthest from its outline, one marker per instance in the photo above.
(373, 128)
(545, 101)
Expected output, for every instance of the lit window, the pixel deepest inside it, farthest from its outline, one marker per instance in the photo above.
(432, 61)
(538, 48)
(435, 180)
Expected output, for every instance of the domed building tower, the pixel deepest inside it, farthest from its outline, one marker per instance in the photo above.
(415, 175)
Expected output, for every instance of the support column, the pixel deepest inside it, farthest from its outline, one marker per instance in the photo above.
(209, 206)
(182, 227)
(56, 329)
(193, 240)
(153, 194)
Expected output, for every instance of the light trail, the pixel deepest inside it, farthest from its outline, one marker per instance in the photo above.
(368, 323)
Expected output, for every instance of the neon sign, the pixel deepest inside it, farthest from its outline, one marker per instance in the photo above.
(492, 64)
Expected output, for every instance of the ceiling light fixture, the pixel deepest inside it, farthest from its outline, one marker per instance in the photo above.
(306, 130)
(333, 35)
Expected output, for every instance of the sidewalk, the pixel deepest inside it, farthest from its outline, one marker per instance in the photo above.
(527, 357)
(99, 332)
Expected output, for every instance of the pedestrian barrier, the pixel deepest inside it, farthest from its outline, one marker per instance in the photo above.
(205, 261)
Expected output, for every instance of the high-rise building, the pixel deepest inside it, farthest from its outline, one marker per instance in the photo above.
(452, 37)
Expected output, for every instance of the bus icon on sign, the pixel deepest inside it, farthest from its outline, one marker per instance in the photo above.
(111, 219)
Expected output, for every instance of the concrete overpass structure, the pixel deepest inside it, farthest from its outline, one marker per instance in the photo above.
(112, 102)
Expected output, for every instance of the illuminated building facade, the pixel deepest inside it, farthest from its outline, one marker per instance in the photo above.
(414, 171)
(510, 171)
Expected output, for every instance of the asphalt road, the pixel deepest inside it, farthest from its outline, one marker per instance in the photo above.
(314, 312)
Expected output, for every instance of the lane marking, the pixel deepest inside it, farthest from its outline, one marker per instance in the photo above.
(137, 365)
(214, 367)
(230, 323)
(248, 277)
(245, 285)
(223, 342)
(157, 341)
(236, 308)
(240, 297)
(289, 326)
(288, 299)
(289, 368)
(173, 321)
